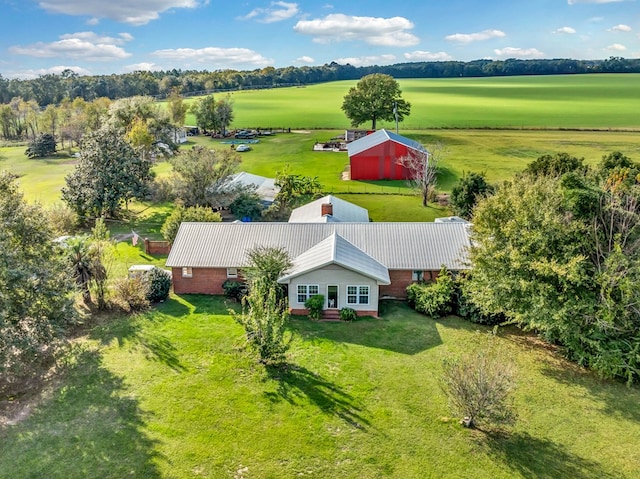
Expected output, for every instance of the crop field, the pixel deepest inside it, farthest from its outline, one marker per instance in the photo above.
(603, 101)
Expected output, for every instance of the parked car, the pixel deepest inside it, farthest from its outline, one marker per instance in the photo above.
(244, 134)
(243, 148)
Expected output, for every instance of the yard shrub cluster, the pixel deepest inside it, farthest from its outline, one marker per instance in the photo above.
(315, 304)
(130, 294)
(433, 299)
(348, 314)
(158, 284)
(236, 290)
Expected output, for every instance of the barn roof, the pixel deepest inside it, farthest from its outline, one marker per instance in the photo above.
(337, 250)
(407, 246)
(343, 211)
(381, 136)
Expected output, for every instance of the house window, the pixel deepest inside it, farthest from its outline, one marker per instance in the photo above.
(305, 291)
(417, 276)
(357, 294)
(187, 272)
(232, 272)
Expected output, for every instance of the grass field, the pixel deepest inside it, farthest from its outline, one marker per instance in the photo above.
(564, 101)
(171, 394)
(498, 153)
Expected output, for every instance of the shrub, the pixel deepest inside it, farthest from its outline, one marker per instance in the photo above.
(247, 205)
(479, 387)
(159, 284)
(315, 304)
(131, 294)
(235, 289)
(62, 219)
(348, 314)
(466, 308)
(42, 145)
(171, 225)
(433, 299)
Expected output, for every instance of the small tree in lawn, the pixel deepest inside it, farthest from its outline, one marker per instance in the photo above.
(479, 387)
(466, 193)
(423, 169)
(264, 318)
(42, 145)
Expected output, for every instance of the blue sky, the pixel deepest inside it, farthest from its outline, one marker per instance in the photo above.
(95, 37)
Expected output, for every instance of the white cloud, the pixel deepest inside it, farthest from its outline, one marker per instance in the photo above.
(84, 45)
(126, 11)
(475, 37)
(337, 27)
(421, 56)
(567, 30)
(511, 52)
(616, 47)
(305, 59)
(367, 60)
(277, 12)
(575, 2)
(214, 56)
(621, 28)
(143, 66)
(31, 74)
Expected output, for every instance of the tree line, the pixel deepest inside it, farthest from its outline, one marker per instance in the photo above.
(55, 88)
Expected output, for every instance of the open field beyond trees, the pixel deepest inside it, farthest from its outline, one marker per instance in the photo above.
(606, 101)
(171, 394)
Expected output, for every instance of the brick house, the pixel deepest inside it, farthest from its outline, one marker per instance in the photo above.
(350, 264)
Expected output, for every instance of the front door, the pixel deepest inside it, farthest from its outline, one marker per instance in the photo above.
(332, 296)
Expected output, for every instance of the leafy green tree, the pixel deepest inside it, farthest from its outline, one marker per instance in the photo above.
(555, 165)
(204, 110)
(177, 107)
(109, 173)
(294, 190)
(247, 205)
(36, 304)
(375, 97)
(264, 319)
(202, 176)
(192, 213)
(467, 191)
(268, 264)
(42, 145)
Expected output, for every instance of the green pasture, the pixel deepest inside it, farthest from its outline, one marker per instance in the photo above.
(172, 394)
(498, 153)
(600, 101)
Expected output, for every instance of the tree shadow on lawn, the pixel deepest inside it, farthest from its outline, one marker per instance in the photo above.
(532, 457)
(401, 330)
(89, 427)
(296, 383)
(132, 329)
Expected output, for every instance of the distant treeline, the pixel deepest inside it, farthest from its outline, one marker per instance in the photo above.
(52, 89)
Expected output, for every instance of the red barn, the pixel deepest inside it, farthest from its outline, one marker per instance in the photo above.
(375, 156)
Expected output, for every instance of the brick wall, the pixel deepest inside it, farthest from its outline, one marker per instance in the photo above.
(203, 281)
(156, 247)
(400, 279)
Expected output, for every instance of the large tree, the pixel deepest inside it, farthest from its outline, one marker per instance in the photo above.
(375, 97)
(202, 176)
(35, 287)
(423, 169)
(109, 173)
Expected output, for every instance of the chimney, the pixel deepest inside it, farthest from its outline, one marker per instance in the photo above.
(327, 209)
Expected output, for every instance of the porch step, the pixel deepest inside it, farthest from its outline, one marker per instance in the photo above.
(331, 315)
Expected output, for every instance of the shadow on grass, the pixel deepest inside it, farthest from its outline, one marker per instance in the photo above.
(296, 383)
(400, 330)
(89, 427)
(537, 458)
(132, 330)
(616, 398)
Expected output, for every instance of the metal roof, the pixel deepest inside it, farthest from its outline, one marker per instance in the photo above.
(380, 136)
(408, 246)
(343, 211)
(265, 187)
(337, 250)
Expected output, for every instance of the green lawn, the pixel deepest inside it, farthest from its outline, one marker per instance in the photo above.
(171, 394)
(555, 101)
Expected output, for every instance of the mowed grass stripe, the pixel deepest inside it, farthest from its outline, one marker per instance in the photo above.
(598, 101)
